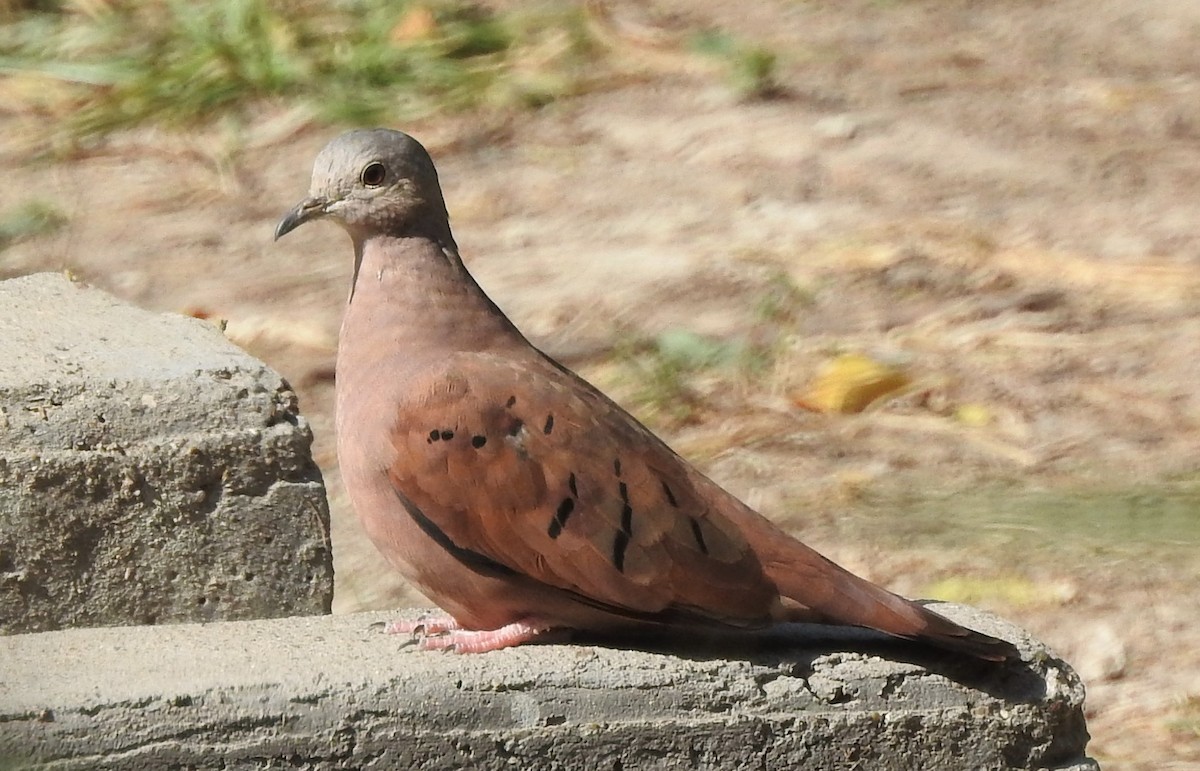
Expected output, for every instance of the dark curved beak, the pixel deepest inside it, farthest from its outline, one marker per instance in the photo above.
(308, 209)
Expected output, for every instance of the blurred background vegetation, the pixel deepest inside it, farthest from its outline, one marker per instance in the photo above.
(95, 66)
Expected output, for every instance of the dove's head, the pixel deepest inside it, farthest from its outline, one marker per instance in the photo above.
(375, 181)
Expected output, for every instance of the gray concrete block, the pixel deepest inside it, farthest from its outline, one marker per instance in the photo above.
(150, 471)
(334, 692)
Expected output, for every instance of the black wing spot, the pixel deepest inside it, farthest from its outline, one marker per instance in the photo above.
(620, 544)
(670, 495)
(479, 440)
(511, 401)
(571, 485)
(617, 466)
(434, 435)
(698, 534)
(560, 517)
(447, 435)
(626, 512)
(546, 429)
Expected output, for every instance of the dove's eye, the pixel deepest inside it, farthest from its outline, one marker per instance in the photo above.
(373, 174)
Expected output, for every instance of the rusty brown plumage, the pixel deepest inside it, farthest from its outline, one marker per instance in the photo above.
(512, 492)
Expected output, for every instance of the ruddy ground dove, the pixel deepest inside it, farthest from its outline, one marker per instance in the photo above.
(509, 490)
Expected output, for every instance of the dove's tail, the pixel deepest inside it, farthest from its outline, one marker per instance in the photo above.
(815, 590)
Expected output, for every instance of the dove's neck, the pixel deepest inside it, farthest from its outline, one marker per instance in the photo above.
(412, 296)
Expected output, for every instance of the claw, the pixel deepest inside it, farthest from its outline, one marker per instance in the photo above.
(423, 626)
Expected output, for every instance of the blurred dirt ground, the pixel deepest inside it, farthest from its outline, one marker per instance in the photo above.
(1003, 200)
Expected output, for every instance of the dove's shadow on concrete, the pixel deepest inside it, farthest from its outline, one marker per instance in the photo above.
(799, 646)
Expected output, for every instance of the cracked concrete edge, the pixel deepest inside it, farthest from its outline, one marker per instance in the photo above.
(81, 370)
(150, 470)
(335, 692)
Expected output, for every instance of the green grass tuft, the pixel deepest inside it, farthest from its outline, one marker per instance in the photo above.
(752, 69)
(180, 63)
(30, 219)
(676, 372)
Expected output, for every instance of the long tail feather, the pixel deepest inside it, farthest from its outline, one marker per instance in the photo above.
(819, 591)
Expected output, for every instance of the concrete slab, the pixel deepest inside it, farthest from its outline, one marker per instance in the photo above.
(336, 693)
(150, 471)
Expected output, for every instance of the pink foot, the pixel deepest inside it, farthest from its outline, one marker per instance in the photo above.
(463, 641)
(426, 624)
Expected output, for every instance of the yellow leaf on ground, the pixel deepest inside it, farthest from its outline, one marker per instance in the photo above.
(849, 383)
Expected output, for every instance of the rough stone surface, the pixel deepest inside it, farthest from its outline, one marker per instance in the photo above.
(335, 692)
(150, 471)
